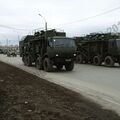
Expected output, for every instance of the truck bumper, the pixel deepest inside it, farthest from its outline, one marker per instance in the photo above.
(62, 60)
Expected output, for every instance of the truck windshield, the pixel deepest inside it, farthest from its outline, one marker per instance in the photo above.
(65, 42)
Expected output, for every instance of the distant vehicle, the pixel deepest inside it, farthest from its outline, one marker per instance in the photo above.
(47, 49)
(11, 53)
(98, 48)
(5, 51)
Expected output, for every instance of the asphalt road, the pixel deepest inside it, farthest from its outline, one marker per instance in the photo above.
(98, 83)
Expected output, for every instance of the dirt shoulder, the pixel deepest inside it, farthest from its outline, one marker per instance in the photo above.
(24, 96)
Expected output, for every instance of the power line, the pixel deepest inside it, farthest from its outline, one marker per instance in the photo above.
(9, 27)
(91, 17)
(81, 20)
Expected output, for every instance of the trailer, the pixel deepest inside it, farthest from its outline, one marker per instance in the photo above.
(98, 48)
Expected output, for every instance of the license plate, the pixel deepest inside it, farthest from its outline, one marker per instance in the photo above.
(68, 60)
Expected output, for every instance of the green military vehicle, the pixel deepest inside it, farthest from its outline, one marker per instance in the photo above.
(48, 49)
(98, 48)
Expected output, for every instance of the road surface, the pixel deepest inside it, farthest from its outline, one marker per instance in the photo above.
(98, 83)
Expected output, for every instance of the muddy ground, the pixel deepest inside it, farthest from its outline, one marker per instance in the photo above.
(24, 96)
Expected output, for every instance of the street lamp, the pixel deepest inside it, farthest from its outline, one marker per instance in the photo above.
(45, 29)
(45, 21)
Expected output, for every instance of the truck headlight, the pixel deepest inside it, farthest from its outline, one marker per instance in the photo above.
(74, 54)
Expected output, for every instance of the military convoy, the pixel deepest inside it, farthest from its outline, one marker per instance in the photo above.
(48, 49)
(51, 48)
(98, 48)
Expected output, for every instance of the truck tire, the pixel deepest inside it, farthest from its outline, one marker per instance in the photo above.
(38, 63)
(25, 60)
(69, 66)
(59, 67)
(79, 59)
(28, 61)
(109, 62)
(97, 60)
(47, 65)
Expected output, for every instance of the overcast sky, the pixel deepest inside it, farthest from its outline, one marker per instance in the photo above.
(61, 14)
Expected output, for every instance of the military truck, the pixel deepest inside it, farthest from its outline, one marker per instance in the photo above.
(48, 49)
(98, 48)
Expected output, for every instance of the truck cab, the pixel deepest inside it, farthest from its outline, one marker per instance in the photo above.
(61, 52)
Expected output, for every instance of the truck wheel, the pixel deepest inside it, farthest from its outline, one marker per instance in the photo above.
(109, 62)
(28, 61)
(24, 60)
(97, 60)
(69, 66)
(59, 67)
(38, 64)
(47, 65)
(79, 59)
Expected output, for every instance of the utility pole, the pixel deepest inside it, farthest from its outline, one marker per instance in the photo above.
(45, 25)
(45, 33)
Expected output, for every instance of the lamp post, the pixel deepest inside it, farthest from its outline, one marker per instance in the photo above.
(45, 31)
(45, 21)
